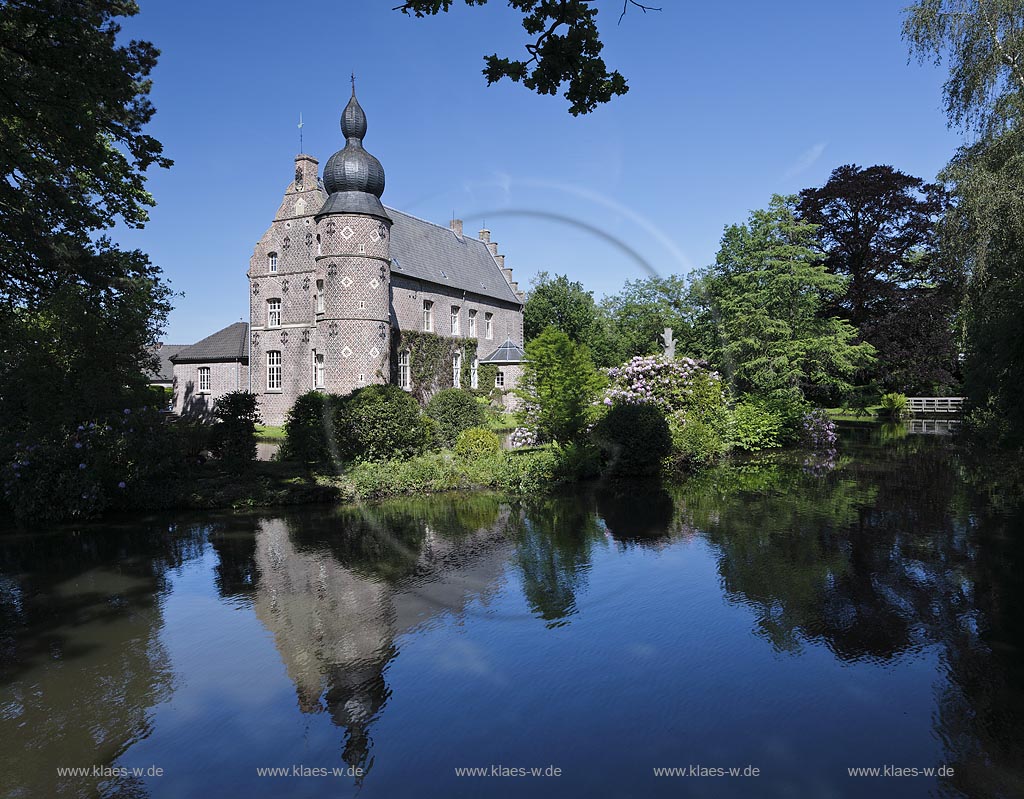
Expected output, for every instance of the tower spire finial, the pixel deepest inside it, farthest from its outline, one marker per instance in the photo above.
(353, 84)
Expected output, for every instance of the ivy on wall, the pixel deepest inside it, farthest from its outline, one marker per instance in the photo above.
(430, 361)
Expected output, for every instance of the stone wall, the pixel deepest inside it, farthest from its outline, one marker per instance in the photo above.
(224, 377)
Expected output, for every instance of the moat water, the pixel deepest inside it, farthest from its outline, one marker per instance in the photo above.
(791, 618)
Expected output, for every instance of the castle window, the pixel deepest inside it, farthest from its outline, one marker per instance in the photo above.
(362, 305)
(272, 262)
(455, 320)
(274, 370)
(404, 374)
(318, 369)
(499, 379)
(474, 373)
(319, 245)
(457, 370)
(362, 378)
(472, 323)
(428, 316)
(319, 296)
(361, 248)
(488, 325)
(204, 379)
(273, 313)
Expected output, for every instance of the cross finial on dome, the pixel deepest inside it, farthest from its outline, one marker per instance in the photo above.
(353, 84)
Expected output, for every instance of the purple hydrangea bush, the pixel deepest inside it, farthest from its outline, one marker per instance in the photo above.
(671, 385)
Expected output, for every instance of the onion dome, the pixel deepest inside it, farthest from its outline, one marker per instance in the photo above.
(353, 178)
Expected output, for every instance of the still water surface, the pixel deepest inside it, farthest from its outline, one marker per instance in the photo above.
(795, 617)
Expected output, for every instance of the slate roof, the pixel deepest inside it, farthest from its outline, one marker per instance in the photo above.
(423, 250)
(165, 374)
(508, 352)
(229, 344)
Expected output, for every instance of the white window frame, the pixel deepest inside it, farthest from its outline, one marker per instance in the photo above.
(404, 370)
(274, 370)
(204, 380)
(499, 379)
(319, 369)
(472, 323)
(319, 296)
(456, 320)
(428, 316)
(273, 312)
(272, 262)
(474, 373)
(488, 325)
(457, 370)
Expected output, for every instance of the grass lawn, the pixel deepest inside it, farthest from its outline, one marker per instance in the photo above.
(502, 421)
(269, 432)
(850, 415)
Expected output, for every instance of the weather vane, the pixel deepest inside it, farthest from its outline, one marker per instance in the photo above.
(300, 131)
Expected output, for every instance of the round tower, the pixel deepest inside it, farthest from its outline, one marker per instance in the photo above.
(353, 264)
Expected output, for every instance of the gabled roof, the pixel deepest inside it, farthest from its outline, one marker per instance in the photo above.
(508, 352)
(229, 344)
(425, 251)
(164, 352)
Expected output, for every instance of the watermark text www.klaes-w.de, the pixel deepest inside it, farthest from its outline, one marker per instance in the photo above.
(498, 770)
(900, 771)
(301, 770)
(109, 772)
(697, 770)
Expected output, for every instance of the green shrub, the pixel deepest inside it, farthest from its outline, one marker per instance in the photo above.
(381, 422)
(578, 461)
(695, 443)
(454, 410)
(755, 426)
(894, 405)
(634, 439)
(129, 461)
(309, 428)
(234, 436)
(477, 442)
(525, 472)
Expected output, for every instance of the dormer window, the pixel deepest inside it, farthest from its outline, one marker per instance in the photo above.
(272, 262)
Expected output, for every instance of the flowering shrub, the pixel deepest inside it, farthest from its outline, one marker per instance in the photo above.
(818, 430)
(477, 442)
(523, 437)
(683, 384)
(130, 460)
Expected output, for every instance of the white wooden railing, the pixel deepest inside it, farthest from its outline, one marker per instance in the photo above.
(926, 405)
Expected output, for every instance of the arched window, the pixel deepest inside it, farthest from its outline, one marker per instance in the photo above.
(319, 245)
(273, 313)
(319, 296)
(274, 370)
(272, 262)
(318, 370)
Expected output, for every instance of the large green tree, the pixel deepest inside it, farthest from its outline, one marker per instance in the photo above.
(566, 306)
(564, 48)
(878, 227)
(559, 386)
(643, 309)
(764, 301)
(78, 316)
(982, 41)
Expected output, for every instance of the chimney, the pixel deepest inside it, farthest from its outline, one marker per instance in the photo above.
(485, 235)
(456, 225)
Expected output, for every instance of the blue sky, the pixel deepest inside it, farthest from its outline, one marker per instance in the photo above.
(728, 103)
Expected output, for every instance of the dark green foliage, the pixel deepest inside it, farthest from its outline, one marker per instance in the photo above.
(380, 422)
(634, 439)
(565, 305)
(78, 317)
(564, 49)
(131, 460)
(878, 227)
(234, 438)
(894, 405)
(477, 442)
(309, 428)
(639, 314)
(453, 410)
